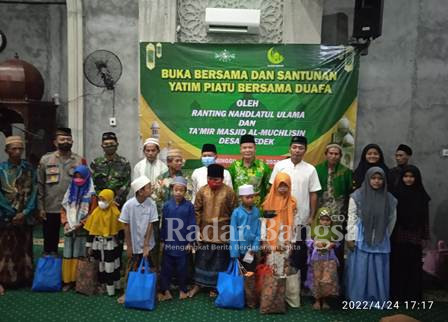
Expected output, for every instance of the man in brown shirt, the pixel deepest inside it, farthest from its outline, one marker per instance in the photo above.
(54, 175)
(213, 205)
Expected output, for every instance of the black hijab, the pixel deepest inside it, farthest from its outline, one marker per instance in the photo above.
(412, 208)
(363, 165)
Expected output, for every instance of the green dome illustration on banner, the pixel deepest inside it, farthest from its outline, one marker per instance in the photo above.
(214, 93)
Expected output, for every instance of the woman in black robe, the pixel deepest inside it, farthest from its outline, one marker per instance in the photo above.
(410, 232)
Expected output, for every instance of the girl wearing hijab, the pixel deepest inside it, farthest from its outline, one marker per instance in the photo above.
(372, 156)
(78, 202)
(322, 278)
(371, 219)
(411, 230)
(279, 229)
(103, 227)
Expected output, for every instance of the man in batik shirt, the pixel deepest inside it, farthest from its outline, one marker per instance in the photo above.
(18, 191)
(250, 170)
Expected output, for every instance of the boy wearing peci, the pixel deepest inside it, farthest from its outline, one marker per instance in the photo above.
(138, 215)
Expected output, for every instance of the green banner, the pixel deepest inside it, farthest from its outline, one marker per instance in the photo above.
(193, 94)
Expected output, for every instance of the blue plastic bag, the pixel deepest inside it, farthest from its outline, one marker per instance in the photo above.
(48, 275)
(141, 288)
(230, 287)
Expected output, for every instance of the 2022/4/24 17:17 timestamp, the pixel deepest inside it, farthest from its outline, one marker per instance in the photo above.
(387, 305)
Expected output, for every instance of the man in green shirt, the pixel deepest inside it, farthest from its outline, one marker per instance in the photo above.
(336, 181)
(250, 170)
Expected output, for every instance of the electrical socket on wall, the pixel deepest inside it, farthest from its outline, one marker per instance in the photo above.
(112, 121)
(444, 152)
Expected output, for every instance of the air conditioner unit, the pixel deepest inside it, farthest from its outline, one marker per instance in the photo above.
(237, 21)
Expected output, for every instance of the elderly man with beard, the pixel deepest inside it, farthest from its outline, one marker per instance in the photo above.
(150, 166)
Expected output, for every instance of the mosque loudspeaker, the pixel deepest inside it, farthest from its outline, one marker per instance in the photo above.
(368, 20)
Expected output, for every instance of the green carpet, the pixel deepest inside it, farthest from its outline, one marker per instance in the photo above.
(24, 305)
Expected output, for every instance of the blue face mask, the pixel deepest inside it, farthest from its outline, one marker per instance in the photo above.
(206, 161)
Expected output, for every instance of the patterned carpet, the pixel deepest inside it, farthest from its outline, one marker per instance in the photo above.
(24, 305)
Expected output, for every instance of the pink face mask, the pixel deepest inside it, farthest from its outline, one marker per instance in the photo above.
(79, 181)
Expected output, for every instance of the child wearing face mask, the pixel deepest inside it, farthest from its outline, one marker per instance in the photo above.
(199, 176)
(102, 244)
(213, 206)
(78, 202)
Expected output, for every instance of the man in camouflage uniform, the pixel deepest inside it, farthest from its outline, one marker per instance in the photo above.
(54, 175)
(112, 171)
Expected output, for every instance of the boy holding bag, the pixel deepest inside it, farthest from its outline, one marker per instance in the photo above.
(245, 229)
(178, 231)
(138, 215)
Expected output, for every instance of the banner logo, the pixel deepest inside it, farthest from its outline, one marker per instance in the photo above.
(214, 93)
(274, 56)
(225, 56)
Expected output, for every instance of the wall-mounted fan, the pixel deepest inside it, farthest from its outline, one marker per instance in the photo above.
(103, 68)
